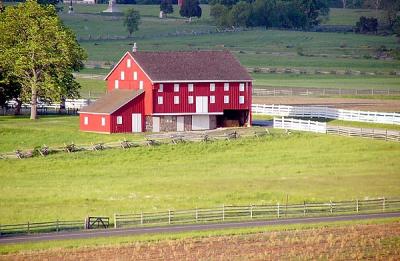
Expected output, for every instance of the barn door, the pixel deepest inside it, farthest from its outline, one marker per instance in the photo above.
(156, 124)
(200, 122)
(201, 104)
(180, 123)
(136, 122)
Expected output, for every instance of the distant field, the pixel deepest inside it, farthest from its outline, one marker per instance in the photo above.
(303, 166)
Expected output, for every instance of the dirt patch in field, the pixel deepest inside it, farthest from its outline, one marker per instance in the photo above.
(372, 242)
(341, 103)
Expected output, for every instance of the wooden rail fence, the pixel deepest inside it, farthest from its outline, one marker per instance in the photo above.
(327, 113)
(250, 212)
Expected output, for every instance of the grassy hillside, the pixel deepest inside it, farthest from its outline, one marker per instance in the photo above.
(304, 166)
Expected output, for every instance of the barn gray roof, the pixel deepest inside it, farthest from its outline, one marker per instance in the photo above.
(111, 101)
(191, 66)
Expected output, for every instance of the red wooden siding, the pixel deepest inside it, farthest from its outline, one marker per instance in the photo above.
(201, 89)
(134, 106)
(129, 83)
(94, 122)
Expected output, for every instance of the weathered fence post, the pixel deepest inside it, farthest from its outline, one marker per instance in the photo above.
(223, 212)
(278, 210)
(383, 204)
(57, 225)
(304, 208)
(197, 215)
(141, 218)
(357, 205)
(28, 228)
(115, 220)
(169, 217)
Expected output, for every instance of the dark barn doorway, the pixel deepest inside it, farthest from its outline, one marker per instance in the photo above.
(233, 118)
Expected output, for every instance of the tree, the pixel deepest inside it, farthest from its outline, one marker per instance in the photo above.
(39, 51)
(220, 14)
(314, 11)
(10, 89)
(132, 20)
(190, 8)
(240, 14)
(392, 7)
(166, 7)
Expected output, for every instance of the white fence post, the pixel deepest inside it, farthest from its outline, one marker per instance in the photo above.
(251, 211)
(141, 218)
(330, 201)
(197, 215)
(357, 206)
(304, 209)
(278, 210)
(383, 204)
(169, 217)
(115, 220)
(223, 212)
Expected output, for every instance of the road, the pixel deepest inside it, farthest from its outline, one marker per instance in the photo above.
(185, 228)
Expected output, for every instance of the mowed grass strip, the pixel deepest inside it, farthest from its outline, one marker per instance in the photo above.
(247, 171)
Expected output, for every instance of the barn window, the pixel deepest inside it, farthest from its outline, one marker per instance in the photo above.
(103, 121)
(128, 63)
(176, 87)
(176, 99)
(160, 100)
(241, 99)
(119, 120)
(212, 87)
(226, 99)
(212, 99)
(122, 75)
(135, 75)
(161, 88)
(226, 86)
(190, 87)
(86, 120)
(116, 84)
(241, 87)
(190, 99)
(141, 85)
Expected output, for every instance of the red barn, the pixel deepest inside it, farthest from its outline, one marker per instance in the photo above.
(172, 91)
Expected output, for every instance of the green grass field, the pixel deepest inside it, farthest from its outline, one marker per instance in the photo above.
(303, 166)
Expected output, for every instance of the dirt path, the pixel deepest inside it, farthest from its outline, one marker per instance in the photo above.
(342, 103)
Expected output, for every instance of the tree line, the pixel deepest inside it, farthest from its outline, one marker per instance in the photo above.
(295, 14)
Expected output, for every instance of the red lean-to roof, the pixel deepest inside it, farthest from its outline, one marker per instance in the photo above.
(191, 66)
(111, 101)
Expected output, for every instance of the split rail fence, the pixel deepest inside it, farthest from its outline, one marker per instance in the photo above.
(251, 212)
(327, 113)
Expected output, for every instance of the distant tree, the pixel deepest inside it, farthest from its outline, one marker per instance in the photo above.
(367, 25)
(132, 20)
(51, 2)
(262, 13)
(314, 11)
(39, 51)
(220, 14)
(1, 6)
(391, 8)
(240, 14)
(166, 7)
(190, 8)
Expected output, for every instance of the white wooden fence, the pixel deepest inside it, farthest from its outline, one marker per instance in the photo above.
(301, 125)
(328, 113)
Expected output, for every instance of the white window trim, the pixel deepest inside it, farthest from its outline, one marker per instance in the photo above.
(128, 63)
(161, 87)
(226, 86)
(241, 99)
(116, 84)
(103, 121)
(135, 76)
(86, 120)
(176, 87)
(122, 75)
(176, 99)
(212, 99)
(190, 99)
(141, 85)
(212, 87)
(119, 120)
(160, 100)
(190, 87)
(241, 87)
(226, 99)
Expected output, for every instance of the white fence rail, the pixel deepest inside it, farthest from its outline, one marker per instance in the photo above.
(301, 125)
(327, 112)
